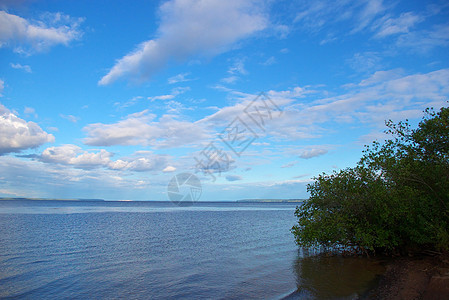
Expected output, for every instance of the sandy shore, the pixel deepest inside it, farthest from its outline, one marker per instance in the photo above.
(418, 277)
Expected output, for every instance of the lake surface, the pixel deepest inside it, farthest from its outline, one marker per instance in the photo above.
(142, 250)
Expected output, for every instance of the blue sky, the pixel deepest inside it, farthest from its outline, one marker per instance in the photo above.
(111, 99)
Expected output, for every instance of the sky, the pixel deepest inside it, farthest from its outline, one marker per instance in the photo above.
(112, 99)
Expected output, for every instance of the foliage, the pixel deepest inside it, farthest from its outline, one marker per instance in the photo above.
(396, 199)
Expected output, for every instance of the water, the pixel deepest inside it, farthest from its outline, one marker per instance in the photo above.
(135, 250)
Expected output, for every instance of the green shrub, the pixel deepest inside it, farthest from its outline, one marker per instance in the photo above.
(395, 200)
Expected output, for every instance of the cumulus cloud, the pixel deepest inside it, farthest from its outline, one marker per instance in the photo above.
(75, 156)
(28, 178)
(189, 28)
(142, 129)
(141, 161)
(383, 95)
(28, 36)
(17, 134)
(169, 169)
(306, 112)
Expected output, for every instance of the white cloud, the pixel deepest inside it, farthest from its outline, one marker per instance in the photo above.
(162, 97)
(310, 113)
(213, 159)
(296, 92)
(385, 95)
(169, 169)
(307, 112)
(33, 178)
(236, 69)
(174, 92)
(142, 129)
(8, 192)
(373, 17)
(260, 144)
(2, 87)
(125, 104)
(379, 77)
(30, 111)
(369, 12)
(189, 28)
(316, 15)
(230, 79)
(373, 136)
(401, 24)
(54, 29)
(70, 118)
(330, 37)
(176, 108)
(310, 153)
(227, 114)
(17, 134)
(6, 4)
(52, 128)
(140, 162)
(290, 164)
(74, 156)
(365, 62)
(270, 61)
(179, 78)
(25, 68)
(135, 129)
(424, 40)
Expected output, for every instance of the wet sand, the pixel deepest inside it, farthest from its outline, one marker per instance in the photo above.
(418, 277)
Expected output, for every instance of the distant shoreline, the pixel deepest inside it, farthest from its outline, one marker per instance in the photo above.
(48, 199)
(103, 200)
(272, 200)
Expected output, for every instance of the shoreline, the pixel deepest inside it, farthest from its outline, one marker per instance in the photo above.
(418, 277)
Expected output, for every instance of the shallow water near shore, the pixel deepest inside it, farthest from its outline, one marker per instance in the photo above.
(93, 249)
(336, 277)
